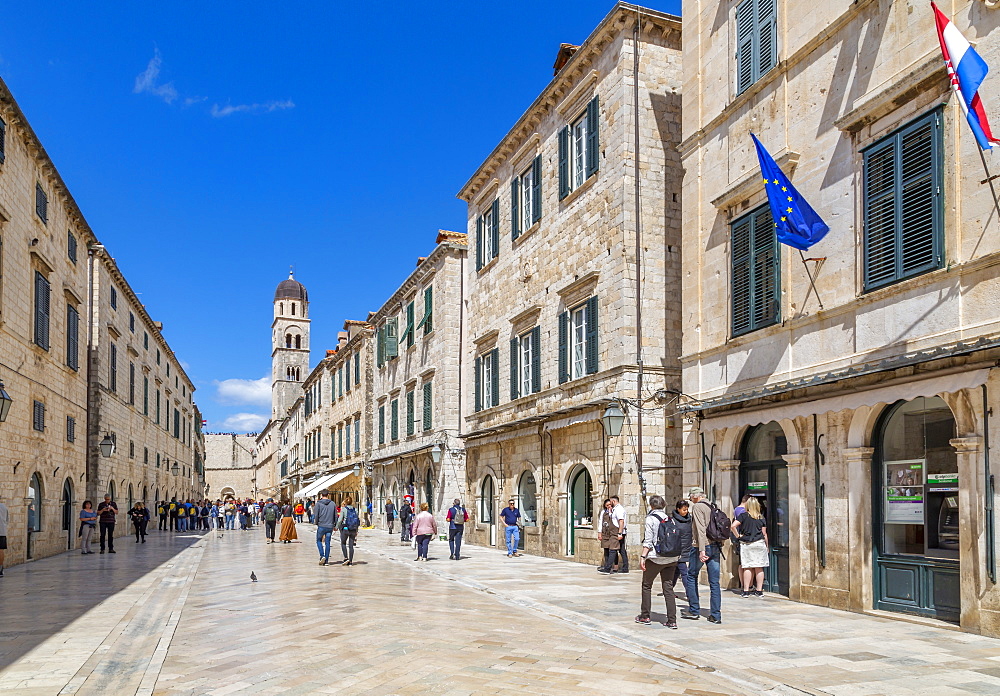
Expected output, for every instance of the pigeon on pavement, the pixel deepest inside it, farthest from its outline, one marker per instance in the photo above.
(253, 578)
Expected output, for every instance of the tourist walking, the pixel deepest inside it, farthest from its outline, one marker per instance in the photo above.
(107, 511)
(206, 512)
(348, 522)
(173, 514)
(661, 548)
(704, 551)
(682, 518)
(751, 530)
(368, 513)
(607, 533)
(512, 530)
(287, 524)
(231, 514)
(161, 512)
(424, 527)
(300, 510)
(4, 522)
(457, 517)
(181, 517)
(271, 514)
(620, 518)
(325, 514)
(140, 518)
(390, 514)
(88, 524)
(220, 520)
(405, 520)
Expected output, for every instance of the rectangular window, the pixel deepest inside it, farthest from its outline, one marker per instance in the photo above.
(357, 434)
(488, 380)
(145, 456)
(488, 235)
(131, 322)
(347, 371)
(340, 382)
(38, 416)
(525, 364)
(755, 280)
(428, 407)
(177, 424)
(347, 438)
(157, 406)
(579, 145)
(408, 333)
(145, 340)
(411, 413)
(578, 153)
(72, 337)
(113, 368)
(114, 298)
(3, 142)
(357, 368)
(145, 396)
(578, 342)
(756, 41)
(131, 383)
(340, 442)
(42, 298)
(70, 429)
(381, 424)
(158, 361)
(41, 204)
(394, 420)
(903, 204)
(71, 247)
(427, 320)
(131, 449)
(158, 462)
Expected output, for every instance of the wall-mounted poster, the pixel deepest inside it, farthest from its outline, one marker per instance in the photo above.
(942, 483)
(904, 492)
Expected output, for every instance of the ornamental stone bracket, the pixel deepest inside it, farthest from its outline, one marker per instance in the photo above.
(793, 460)
(728, 464)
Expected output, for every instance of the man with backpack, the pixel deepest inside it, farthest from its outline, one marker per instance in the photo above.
(661, 549)
(348, 523)
(710, 528)
(271, 514)
(161, 512)
(457, 517)
(405, 518)
(326, 520)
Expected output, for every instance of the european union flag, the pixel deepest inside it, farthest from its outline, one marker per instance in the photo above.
(795, 222)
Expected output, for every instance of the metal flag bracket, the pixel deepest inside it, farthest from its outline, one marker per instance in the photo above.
(812, 282)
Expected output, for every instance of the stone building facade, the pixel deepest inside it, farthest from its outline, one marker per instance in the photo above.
(229, 466)
(415, 402)
(552, 311)
(54, 282)
(858, 411)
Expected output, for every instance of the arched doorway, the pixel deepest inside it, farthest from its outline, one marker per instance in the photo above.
(487, 501)
(111, 490)
(429, 490)
(527, 502)
(131, 497)
(764, 475)
(67, 512)
(915, 510)
(34, 512)
(581, 501)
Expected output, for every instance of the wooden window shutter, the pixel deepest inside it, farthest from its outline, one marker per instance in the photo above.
(536, 189)
(767, 36)
(479, 242)
(427, 414)
(744, 45)
(495, 227)
(41, 204)
(72, 337)
(411, 412)
(563, 347)
(145, 396)
(381, 424)
(514, 227)
(394, 420)
(428, 310)
(765, 269)
(357, 434)
(592, 336)
(593, 136)
(514, 346)
(741, 277)
(495, 357)
(563, 162)
(479, 384)
(42, 298)
(536, 360)
(379, 345)
(357, 368)
(3, 141)
(392, 337)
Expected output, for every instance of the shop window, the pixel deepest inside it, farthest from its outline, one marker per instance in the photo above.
(527, 503)
(486, 499)
(581, 498)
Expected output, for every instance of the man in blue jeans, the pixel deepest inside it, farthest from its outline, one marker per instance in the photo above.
(512, 532)
(325, 514)
(703, 552)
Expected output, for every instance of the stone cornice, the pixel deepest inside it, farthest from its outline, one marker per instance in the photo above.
(431, 265)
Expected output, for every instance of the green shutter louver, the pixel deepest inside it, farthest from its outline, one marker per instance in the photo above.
(755, 286)
(495, 227)
(536, 360)
(409, 335)
(515, 344)
(357, 368)
(536, 189)
(43, 294)
(428, 405)
(515, 231)
(392, 338)
(744, 45)
(593, 137)
(381, 424)
(427, 320)
(563, 162)
(592, 336)
(479, 243)
(767, 36)
(495, 357)
(72, 337)
(411, 413)
(756, 41)
(380, 345)
(563, 347)
(479, 384)
(394, 420)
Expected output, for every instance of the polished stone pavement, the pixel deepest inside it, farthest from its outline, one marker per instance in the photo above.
(179, 615)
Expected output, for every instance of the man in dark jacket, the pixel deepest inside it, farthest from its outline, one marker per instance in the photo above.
(405, 517)
(271, 514)
(325, 515)
(682, 518)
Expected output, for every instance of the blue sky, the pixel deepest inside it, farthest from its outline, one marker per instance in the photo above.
(213, 145)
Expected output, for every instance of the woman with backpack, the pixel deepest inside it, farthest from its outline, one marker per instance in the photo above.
(607, 531)
(348, 522)
(390, 514)
(424, 527)
(287, 524)
(661, 549)
(751, 528)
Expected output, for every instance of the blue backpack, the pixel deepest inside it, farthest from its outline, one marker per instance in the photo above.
(351, 520)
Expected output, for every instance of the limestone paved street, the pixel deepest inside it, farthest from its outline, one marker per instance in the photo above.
(179, 615)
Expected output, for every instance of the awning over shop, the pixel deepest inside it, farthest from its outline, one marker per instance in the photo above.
(905, 391)
(321, 483)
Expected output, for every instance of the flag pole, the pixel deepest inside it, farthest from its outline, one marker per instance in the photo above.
(989, 180)
(811, 281)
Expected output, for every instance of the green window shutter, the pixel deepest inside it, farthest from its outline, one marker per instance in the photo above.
(755, 279)
(410, 310)
(347, 439)
(744, 45)
(428, 320)
(593, 137)
(741, 277)
(514, 227)
(563, 162)
(767, 36)
(514, 344)
(495, 357)
(72, 337)
(381, 424)
(479, 242)
(145, 396)
(392, 338)
(536, 360)
(592, 336)
(340, 441)
(411, 413)
(563, 347)
(379, 346)
(536, 189)
(357, 434)
(347, 371)
(42, 299)
(357, 368)
(495, 227)
(427, 406)
(394, 420)
(479, 384)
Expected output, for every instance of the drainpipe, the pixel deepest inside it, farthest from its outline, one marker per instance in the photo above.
(991, 555)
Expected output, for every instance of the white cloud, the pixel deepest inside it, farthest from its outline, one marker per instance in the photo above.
(243, 423)
(266, 107)
(147, 81)
(256, 392)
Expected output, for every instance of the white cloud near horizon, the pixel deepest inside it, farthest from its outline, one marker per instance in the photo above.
(148, 80)
(254, 392)
(265, 107)
(243, 423)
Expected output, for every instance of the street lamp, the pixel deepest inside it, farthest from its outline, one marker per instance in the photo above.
(5, 402)
(356, 470)
(613, 420)
(175, 468)
(436, 453)
(107, 446)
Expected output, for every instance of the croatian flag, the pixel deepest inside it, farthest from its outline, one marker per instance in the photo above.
(966, 70)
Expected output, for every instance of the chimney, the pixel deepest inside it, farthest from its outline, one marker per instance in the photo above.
(566, 52)
(341, 338)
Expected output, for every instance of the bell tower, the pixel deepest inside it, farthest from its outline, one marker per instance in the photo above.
(289, 344)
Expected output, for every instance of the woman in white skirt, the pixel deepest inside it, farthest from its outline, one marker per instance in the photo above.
(751, 528)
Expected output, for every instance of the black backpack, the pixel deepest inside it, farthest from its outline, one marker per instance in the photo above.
(351, 520)
(668, 537)
(719, 526)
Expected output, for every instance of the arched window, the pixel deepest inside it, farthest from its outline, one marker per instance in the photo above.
(298, 341)
(67, 505)
(35, 504)
(111, 490)
(486, 500)
(581, 500)
(527, 499)
(293, 309)
(281, 308)
(288, 340)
